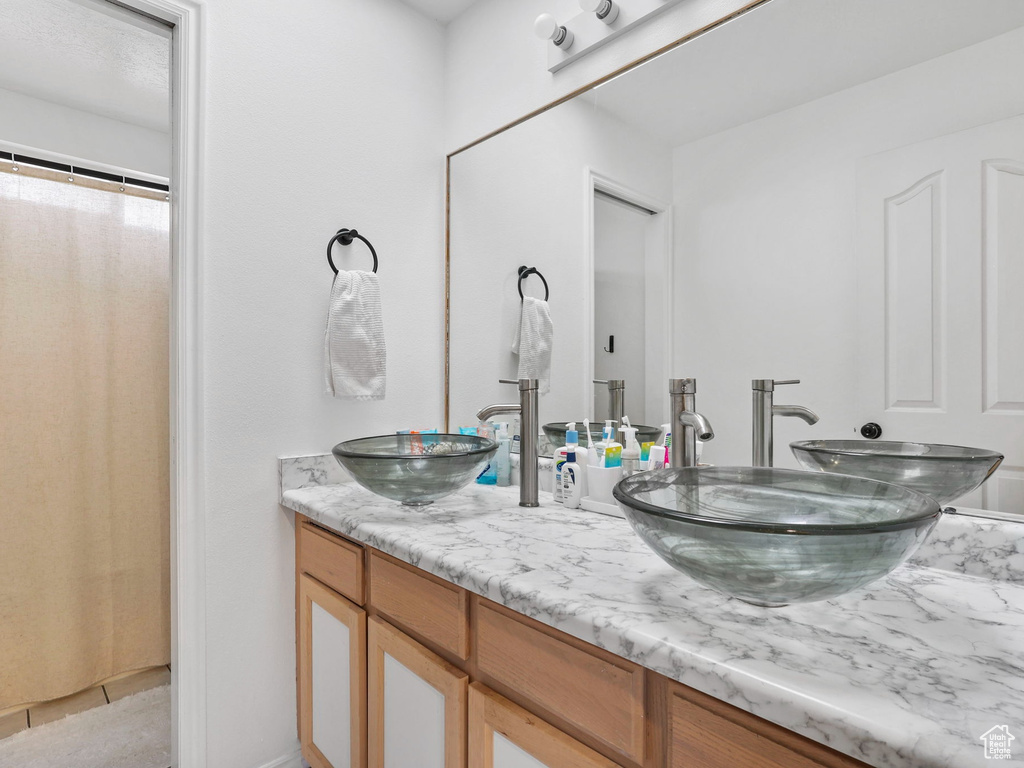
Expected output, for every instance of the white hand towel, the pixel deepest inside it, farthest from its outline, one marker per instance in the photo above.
(532, 342)
(354, 355)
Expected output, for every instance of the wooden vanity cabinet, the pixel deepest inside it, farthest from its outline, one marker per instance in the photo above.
(397, 667)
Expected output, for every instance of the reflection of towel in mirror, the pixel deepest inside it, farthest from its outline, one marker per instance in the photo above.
(532, 343)
(354, 355)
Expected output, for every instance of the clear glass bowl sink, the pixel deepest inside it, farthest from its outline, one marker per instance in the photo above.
(944, 472)
(415, 469)
(776, 536)
(555, 432)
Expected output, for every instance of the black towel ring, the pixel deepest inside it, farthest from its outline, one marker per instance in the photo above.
(345, 237)
(525, 272)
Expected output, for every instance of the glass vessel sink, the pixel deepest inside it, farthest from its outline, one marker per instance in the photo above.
(776, 536)
(415, 469)
(944, 472)
(555, 432)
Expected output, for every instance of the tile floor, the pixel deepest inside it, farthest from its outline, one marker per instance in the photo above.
(111, 690)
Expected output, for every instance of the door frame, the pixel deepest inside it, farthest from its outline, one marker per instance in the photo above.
(187, 513)
(659, 243)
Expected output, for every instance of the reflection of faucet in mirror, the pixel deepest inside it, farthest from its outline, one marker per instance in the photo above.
(764, 411)
(616, 398)
(527, 410)
(694, 425)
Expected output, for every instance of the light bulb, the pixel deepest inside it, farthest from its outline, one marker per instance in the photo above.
(548, 28)
(606, 10)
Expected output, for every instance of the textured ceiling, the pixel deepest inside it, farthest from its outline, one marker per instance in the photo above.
(441, 10)
(73, 54)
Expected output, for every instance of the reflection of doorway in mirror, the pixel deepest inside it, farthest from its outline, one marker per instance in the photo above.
(942, 240)
(620, 233)
(629, 242)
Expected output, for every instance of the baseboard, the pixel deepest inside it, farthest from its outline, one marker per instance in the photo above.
(291, 760)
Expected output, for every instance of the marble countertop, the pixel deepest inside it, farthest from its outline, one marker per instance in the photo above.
(909, 671)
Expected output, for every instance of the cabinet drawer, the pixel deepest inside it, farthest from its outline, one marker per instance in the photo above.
(590, 688)
(427, 606)
(332, 560)
(707, 733)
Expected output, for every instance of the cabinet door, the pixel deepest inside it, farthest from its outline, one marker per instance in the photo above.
(417, 704)
(504, 735)
(332, 678)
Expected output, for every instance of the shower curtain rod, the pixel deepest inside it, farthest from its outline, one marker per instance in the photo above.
(78, 170)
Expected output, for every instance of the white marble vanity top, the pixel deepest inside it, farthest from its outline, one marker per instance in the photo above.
(909, 671)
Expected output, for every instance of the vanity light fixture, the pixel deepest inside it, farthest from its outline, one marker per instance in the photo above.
(547, 28)
(605, 10)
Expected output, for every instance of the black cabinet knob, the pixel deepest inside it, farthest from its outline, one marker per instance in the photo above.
(871, 431)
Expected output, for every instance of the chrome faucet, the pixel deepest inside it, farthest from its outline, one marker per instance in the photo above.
(694, 425)
(616, 398)
(527, 410)
(764, 411)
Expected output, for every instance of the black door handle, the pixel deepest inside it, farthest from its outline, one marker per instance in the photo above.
(871, 431)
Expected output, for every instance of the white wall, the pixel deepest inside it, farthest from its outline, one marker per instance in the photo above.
(319, 114)
(57, 128)
(766, 231)
(496, 69)
(521, 199)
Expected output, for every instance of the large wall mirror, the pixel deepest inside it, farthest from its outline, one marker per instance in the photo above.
(823, 190)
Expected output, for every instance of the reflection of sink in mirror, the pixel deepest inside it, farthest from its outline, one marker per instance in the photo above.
(828, 217)
(944, 472)
(555, 432)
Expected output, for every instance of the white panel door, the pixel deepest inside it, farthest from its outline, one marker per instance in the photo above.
(332, 677)
(508, 754)
(417, 704)
(504, 735)
(941, 249)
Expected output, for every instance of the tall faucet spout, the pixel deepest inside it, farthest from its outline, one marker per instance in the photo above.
(701, 426)
(485, 414)
(527, 410)
(799, 411)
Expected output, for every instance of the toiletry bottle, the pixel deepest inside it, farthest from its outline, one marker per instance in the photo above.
(571, 442)
(503, 458)
(645, 456)
(630, 451)
(572, 488)
(611, 444)
(658, 455)
(613, 456)
(515, 434)
(490, 474)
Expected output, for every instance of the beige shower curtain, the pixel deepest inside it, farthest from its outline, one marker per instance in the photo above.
(84, 499)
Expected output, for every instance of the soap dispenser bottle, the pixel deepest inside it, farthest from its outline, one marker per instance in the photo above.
(630, 451)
